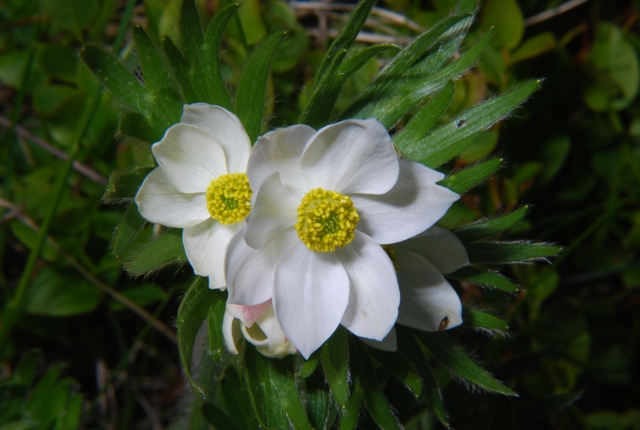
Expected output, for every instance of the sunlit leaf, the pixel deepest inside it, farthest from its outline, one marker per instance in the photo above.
(509, 252)
(488, 227)
(479, 319)
(335, 363)
(484, 278)
(465, 179)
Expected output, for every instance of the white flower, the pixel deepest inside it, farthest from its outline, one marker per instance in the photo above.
(259, 326)
(324, 203)
(200, 185)
(427, 301)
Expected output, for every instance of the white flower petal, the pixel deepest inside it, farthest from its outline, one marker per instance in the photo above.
(274, 210)
(268, 337)
(440, 247)
(160, 203)
(249, 314)
(389, 343)
(427, 298)
(310, 295)
(250, 272)
(231, 332)
(374, 294)
(206, 245)
(352, 156)
(225, 128)
(190, 158)
(279, 151)
(414, 204)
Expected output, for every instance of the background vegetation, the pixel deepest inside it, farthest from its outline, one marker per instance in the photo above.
(85, 345)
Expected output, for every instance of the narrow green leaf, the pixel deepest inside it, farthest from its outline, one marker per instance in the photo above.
(236, 399)
(165, 102)
(349, 417)
(273, 392)
(484, 278)
(218, 94)
(216, 316)
(192, 314)
(530, 411)
(451, 355)
(417, 84)
(374, 399)
(136, 125)
(335, 363)
(484, 228)
(116, 78)
(131, 224)
(344, 40)
(319, 406)
(164, 251)
(179, 69)
(450, 139)
(510, 252)
(250, 96)
(479, 319)
(216, 417)
(395, 75)
(422, 44)
(465, 179)
(422, 122)
(190, 32)
(323, 99)
(124, 185)
(309, 366)
(409, 347)
(400, 368)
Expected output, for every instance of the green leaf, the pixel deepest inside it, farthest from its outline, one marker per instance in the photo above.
(164, 251)
(216, 417)
(273, 391)
(530, 411)
(323, 100)
(192, 314)
(534, 46)
(422, 122)
(374, 399)
(450, 139)
(309, 366)
(60, 295)
(419, 83)
(320, 406)
(409, 347)
(128, 229)
(452, 356)
(349, 417)
(190, 32)
(165, 102)
(218, 94)
(506, 17)
(116, 78)
(72, 15)
(136, 125)
(408, 68)
(484, 278)
(217, 347)
(468, 178)
(335, 363)
(236, 399)
(179, 69)
(509, 252)
(343, 41)
(251, 92)
(488, 227)
(124, 185)
(400, 368)
(479, 319)
(29, 237)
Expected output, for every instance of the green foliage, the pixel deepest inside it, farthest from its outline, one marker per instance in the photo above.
(571, 152)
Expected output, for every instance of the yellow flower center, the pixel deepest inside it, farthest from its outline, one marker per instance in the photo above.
(392, 255)
(326, 219)
(229, 198)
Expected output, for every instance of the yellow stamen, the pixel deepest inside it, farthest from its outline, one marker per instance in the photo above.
(326, 220)
(229, 198)
(392, 255)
